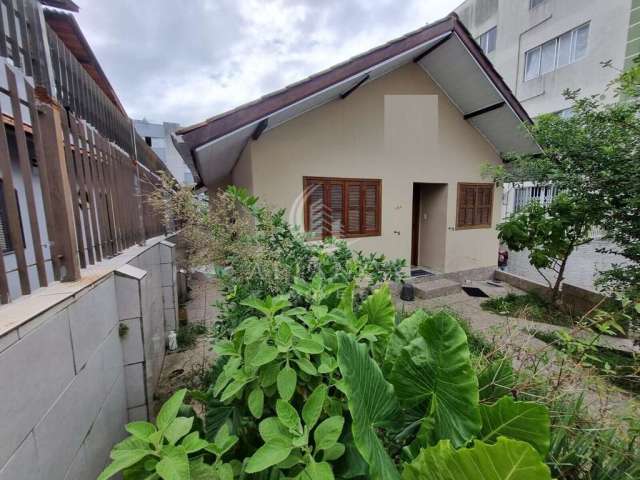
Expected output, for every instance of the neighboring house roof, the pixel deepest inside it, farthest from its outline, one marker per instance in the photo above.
(62, 4)
(67, 28)
(444, 49)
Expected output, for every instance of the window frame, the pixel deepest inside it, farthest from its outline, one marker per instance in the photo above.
(477, 185)
(556, 64)
(484, 39)
(345, 182)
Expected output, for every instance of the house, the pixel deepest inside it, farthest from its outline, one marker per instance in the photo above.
(385, 149)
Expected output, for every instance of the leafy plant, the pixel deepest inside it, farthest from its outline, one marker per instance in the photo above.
(550, 233)
(169, 449)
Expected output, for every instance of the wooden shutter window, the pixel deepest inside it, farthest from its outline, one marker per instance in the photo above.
(341, 207)
(475, 205)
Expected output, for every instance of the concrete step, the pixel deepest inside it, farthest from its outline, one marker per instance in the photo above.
(438, 287)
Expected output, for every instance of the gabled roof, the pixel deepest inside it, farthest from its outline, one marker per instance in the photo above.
(68, 30)
(444, 49)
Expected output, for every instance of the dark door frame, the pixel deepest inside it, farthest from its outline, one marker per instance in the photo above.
(415, 225)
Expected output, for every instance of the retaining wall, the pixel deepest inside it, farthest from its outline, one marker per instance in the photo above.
(79, 360)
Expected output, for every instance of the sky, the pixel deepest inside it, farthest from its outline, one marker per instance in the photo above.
(187, 60)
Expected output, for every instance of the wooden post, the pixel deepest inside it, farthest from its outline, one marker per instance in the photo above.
(66, 238)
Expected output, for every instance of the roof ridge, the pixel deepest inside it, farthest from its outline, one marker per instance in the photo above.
(189, 128)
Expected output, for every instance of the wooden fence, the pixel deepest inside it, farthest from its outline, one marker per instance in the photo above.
(85, 197)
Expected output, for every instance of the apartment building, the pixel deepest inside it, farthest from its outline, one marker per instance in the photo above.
(158, 137)
(542, 47)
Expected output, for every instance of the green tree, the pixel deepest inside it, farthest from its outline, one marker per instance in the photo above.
(550, 234)
(593, 157)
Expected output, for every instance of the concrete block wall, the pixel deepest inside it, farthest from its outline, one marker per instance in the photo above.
(70, 377)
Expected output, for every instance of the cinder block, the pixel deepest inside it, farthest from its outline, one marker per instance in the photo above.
(170, 319)
(23, 464)
(138, 414)
(132, 347)
(168, 274)
(134, 380)
(112, 359)
(79, 468)
(33, 373)
(107, 430)
(168, 297)
(92, 317)
(63, 429)
(167, 252)
(8, 339)
(128, 296)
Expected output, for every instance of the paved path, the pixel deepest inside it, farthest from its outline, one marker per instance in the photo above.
(510, 336)
(185, 368)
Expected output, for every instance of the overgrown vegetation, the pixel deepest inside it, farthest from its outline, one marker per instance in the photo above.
(187, 334)
(592, 158)
(319, 377)
(618, 367)
(530, 307)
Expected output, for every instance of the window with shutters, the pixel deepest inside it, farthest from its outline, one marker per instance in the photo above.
(475, 204)
(341, 207)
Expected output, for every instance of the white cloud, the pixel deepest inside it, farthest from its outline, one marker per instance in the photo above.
(191, 62)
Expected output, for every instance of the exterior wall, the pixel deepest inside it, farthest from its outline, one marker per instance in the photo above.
(433, 226)
(521, 28)
(71, 376)
(400, 129)
(161, 143)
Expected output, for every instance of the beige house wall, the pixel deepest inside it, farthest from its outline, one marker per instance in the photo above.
(432, 244)
(401, 129)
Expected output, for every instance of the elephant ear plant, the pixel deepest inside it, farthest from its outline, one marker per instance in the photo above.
(331, 388)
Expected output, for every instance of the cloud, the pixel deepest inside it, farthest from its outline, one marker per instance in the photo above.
(190, 60)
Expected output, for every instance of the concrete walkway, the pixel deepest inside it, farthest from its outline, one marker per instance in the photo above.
(186, 368)
(510, 336)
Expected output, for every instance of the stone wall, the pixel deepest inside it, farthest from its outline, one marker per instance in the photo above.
(576, 299)
(78, 360)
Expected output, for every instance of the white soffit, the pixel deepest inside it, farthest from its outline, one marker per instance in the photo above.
(466, 84)
(216, 159)
(450, 65)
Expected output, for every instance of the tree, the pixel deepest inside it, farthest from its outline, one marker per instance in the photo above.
(593, 158)
(550, 234)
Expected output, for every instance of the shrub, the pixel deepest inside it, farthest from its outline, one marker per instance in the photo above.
(338, 390)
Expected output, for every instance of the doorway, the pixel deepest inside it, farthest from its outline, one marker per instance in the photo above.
(429, 226)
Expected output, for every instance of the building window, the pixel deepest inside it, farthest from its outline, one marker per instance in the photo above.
(341, 207)
(535, 3)
(487, 40)
(558, 52)
(475, 204)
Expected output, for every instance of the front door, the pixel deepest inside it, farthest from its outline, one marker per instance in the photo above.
(415, 225)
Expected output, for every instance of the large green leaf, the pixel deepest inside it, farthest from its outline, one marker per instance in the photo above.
(379, 309)
(403, 335)
(372, 404)
(436, 367)
(506, 460)
(526, 421)
(269, 454)
(496, 380)
(174, 464)
(169, 410)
